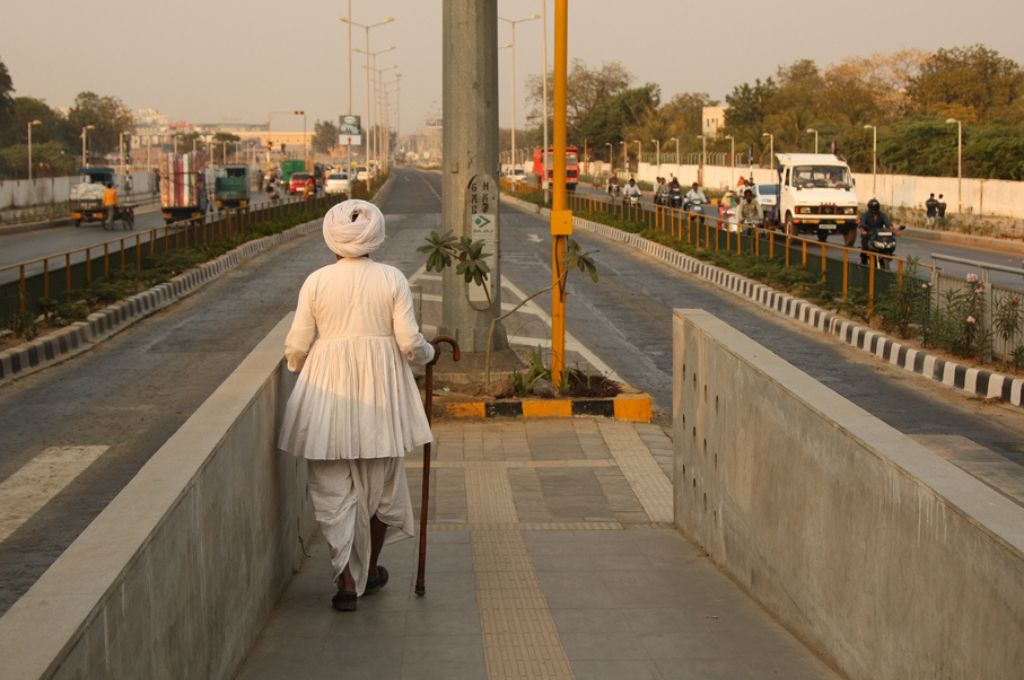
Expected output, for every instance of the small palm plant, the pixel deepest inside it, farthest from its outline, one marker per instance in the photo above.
(470, 260)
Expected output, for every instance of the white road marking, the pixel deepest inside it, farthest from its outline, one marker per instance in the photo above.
(570, 340)
(572, 345)
(505, 306)
(25, 492)
(531, 307)
(533, 238)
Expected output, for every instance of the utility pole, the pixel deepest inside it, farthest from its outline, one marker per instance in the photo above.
(561, 217)
(470, 140)
(544, 96)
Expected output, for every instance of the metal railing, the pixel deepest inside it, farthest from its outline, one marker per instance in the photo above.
(837, 266)
(1004, 336)
(23, 285)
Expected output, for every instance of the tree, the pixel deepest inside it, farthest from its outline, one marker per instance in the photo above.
(222, 137)
(108, 114)
(883, 78)
(748, 104)
(6, 88)
(53, 125)
(974, 84)
(612, 117)
(587, 90)
(325, 136)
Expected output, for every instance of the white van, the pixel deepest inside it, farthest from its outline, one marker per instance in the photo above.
(816, 195)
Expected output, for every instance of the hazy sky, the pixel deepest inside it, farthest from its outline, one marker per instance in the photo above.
(236, 60)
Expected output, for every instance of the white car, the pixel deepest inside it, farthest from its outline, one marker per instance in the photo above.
(516, 175)
(361, 173)
(337, 183)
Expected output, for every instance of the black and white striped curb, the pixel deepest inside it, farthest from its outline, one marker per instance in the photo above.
(975, 381)
(81, 336)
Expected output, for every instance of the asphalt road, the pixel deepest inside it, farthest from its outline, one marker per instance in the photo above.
(918, 248)
(133, 391)
(30, 245)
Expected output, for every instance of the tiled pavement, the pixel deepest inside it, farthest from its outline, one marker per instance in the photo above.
(551, 555)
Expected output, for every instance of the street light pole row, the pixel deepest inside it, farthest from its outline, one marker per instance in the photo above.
(366, 51)
(512, 46)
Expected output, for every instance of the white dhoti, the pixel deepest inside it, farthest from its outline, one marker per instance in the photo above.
(346, 494)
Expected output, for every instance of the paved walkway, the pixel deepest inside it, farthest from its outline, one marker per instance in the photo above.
(551, 555)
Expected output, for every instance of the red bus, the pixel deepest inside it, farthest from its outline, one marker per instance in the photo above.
(572, 166)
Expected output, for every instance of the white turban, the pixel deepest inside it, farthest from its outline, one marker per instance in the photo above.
(354, 238)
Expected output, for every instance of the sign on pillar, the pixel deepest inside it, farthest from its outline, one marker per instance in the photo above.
(482, 215)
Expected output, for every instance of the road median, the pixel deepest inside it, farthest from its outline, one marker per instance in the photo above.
(976, 382)
(81, 336)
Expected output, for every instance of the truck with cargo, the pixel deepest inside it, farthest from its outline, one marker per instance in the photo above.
(183, 187)
(817, 196)
(231, 187)
(85, 202)
(289, 167)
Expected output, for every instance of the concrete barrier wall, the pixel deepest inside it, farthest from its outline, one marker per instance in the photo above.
(177, 576)
(21, 193)
(888, 560)
(981, 197)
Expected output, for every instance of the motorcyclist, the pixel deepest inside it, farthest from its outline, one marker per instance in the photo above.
(631, 190)
(661, 192)
(613, 184)
(871, 221)
(749, 209)
(695, 195)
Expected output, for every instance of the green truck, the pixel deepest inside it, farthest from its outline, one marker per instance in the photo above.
(290, 167)
(231, 187)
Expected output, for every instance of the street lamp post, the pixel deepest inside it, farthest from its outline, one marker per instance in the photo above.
(512, 46)
(676, 140)
(959, 162)
(815, 133)
(874, 159)
(85, 144)
(771, 148)
(732, 159)
(544, 93)
(703, 158)
(611, 162)
(373, 135)
(625, 158)
(120, 150)
(30, 124)
(382, 127)
(366, 50)
(639, 154)
(657, 152)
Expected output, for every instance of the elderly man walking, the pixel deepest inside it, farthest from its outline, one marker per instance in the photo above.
(355, 410)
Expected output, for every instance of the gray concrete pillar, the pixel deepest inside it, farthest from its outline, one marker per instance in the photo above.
(470, 148)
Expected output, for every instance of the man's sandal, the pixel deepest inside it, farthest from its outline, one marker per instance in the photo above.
(344, 601)
(375, 584)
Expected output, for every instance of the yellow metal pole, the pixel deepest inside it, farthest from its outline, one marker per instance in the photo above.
(561, 218)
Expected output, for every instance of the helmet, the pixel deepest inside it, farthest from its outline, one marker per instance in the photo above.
(874, 205)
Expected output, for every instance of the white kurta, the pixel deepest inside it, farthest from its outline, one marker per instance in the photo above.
(355, 397)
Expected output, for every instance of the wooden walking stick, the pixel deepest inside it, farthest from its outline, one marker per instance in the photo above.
(421, 568)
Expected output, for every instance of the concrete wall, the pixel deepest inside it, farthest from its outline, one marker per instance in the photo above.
(888, 560)
(176, 577)
(981, 197)
(20, 193)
